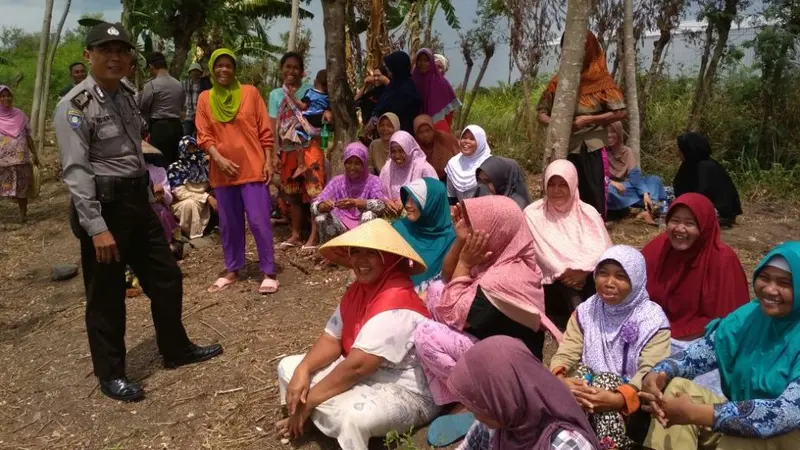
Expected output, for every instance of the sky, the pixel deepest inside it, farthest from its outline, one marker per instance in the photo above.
(27, 14)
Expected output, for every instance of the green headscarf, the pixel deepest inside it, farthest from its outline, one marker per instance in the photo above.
(224, 101)
(432, 234)
(757, 354)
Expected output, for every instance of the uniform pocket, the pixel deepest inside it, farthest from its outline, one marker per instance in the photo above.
(108, 130)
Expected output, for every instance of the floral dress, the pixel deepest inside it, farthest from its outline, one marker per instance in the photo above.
(16, 171)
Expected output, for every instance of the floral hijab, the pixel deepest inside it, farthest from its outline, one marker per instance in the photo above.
(191, 166)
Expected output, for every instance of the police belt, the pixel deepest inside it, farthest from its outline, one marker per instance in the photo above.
(113, 189)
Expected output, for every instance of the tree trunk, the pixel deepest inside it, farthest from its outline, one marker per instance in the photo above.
(655, 65)
(569, 79)
(294, 24)
(631, 94)
(705, 79)
(376, 33)
(341, 97)
(51, 54)
(355, 49)
(619, 57)
(529, 115)
(488, 51)
(44, 41)
(182, 36)
(413, 30)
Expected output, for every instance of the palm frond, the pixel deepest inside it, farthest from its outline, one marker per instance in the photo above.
(450, 14)
(266, 9)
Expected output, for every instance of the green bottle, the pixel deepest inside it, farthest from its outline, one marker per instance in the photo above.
(324, 135)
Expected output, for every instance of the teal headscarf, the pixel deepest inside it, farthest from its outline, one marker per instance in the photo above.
(432, 234)
(759, 356)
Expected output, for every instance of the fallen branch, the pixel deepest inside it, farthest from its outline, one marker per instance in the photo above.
(186, 399)
(228, 391)
(299, 267)
(214, 329)
(284, 355)
(25, 425)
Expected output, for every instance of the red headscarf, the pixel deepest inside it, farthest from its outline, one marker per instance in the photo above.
(700, 284)
(361, 302)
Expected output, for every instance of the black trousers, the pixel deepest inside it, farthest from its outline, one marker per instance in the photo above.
(165, 135)
(560, 301)
(591, 178)
(142, 246)
(485, 320)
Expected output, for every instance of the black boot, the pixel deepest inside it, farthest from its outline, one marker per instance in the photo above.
(192, 354)
(122, 389)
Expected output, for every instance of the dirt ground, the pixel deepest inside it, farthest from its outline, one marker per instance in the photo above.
(49, 398)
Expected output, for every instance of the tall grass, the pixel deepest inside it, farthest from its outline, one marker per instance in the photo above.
(731, 121)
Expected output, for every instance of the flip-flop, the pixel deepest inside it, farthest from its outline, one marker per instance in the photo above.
(220, 285)
(269, 286)
(308, 249)
(287, 244)
(447, 429)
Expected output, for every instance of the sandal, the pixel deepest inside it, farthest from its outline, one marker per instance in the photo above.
(445, 430)
(288, 244)
(220, 285)
(269, 286)
(308, 249)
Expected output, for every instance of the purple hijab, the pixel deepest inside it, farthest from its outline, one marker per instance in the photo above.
(341, 187)
(614, 336)
(499, 378)
(12, 120)
(394, 177)
(438, 96)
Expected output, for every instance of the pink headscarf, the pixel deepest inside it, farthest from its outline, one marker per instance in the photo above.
(573, 237)
(510, 277)
(341, 187)
(12, 120)
(394, 177)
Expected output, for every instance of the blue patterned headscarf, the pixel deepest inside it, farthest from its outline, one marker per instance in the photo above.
(190, 166)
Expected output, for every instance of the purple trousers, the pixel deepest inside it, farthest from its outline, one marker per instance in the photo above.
(234, 202)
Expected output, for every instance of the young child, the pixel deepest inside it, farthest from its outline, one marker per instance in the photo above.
(313, 104)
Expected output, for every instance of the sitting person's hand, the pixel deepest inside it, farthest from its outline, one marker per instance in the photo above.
(595, 400)
(652, 395)
(618, 186)
(574, 279)
(475, 249)
(395, 206)
(327, 116)
(326, 206)
(297, 421)
(348, 203)
(297, 391)
(158, 193)
(212, 202)
(459, 222)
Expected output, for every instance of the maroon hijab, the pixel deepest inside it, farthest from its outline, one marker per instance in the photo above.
(499, 378)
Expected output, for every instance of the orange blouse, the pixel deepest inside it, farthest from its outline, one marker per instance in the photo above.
(245, 140)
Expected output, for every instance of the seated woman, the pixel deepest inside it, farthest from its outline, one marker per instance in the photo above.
(503, 176)
(460, 170)
(700, 173)
(162, 196)
(612, 341)
(629, 187)
(188, 180)
(568, 237)
(427, 226)
(693, 275)
(757, 350)
(519, 404)
(361, 378)
(349, 199)
(406, 164)
(495, 289)
(379, 148)
(438, 146)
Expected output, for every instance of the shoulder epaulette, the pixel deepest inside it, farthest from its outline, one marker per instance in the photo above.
(81, 99)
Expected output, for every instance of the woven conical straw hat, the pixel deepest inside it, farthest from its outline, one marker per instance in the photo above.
(377, 235)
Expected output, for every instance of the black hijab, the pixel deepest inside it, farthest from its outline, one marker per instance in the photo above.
(400, 96)
(507, 178)
(700, 173)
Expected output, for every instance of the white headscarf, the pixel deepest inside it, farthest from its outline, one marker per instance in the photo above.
(461, 169)
(442, 59)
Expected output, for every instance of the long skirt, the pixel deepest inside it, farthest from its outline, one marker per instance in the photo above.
(368, 409)
(330, 226)
(632, 197)
(710, 380)
(439, 348)
(592, 175)
(15, 180)
(192, 211)
(681, 437)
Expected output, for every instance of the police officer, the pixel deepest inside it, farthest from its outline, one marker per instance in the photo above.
(99, 134)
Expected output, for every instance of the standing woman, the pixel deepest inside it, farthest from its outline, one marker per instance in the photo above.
(600, 103)
(234, 130)
(400, 96)
(438, 97)
(568, 237)
(17, 152)
(462, 182)
(302, 190)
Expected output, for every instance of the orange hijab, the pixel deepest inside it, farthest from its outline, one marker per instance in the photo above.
(596, 83)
